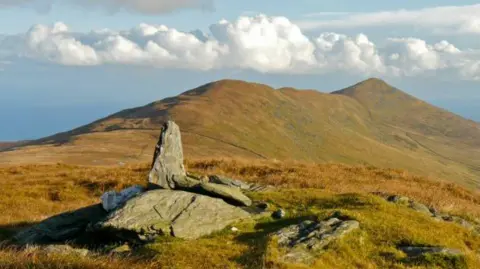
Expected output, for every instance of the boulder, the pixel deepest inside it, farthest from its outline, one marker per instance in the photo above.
(165, 212)
(167, 166)
(61, 228)
(304, 241)
(229, 194)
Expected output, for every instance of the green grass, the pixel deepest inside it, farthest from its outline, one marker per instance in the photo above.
(305, 191)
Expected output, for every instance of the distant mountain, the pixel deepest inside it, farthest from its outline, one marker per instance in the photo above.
(11, 144)
(369, 123)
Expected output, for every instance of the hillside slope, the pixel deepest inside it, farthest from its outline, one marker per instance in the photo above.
(369, 123)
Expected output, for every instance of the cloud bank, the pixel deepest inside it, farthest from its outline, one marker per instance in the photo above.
(444, 19)
(261, 43)
(142, 6)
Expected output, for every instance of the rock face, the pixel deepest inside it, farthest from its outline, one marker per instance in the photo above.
(165, 212)
(66, 226)
(167, 166)
(304, 241)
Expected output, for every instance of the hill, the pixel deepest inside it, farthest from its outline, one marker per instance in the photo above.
(370, 123)
(8, 145)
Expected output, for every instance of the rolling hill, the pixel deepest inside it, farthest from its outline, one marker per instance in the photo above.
(370, 123)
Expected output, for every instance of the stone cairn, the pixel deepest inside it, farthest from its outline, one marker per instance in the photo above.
(174, 204)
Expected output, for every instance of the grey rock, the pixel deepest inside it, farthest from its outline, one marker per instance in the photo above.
(403, 200)
(204, 216)
(167, 167)
(304, 242)
(397, 199)
(164, 212)
(415, 251)
(60, 228)
(420, 208)
(229, 194)
(279, 214)
(229, 182)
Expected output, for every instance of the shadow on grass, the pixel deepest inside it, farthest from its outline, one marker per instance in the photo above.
(258, 241)
(342, 201)
(8, 231)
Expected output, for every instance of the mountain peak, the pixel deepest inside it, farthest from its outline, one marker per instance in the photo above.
(370, 87)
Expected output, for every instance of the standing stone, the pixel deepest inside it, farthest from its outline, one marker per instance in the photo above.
(167, 165)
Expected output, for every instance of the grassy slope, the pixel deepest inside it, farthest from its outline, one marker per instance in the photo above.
(306, 190)
(369, 123)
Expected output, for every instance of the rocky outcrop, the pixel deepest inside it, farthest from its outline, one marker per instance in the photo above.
(303, 242)
(170, 213)
(63, 227)
(168, 172)
(432, 212)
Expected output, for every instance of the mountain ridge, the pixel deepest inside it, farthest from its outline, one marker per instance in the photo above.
(370, 123)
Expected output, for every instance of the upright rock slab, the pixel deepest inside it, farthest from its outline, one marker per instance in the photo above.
(167, 165)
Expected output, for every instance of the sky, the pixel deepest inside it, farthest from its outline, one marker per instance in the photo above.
(67, 63)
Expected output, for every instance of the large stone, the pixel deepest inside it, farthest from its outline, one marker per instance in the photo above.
(229, 194)
(167, 166)
(165, 212)
(60, 228)
(303, 242)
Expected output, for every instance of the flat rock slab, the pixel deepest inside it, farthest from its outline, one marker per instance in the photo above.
(60, 228)
(165, 212)
(230, 194)
(304, 241)
(229, 182)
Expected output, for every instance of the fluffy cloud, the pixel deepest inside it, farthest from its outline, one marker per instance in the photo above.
(261, 43)
(143, 6)
(451, 19)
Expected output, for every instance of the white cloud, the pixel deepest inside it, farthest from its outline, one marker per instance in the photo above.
(142, 6)
(261, 43)
(446, 19)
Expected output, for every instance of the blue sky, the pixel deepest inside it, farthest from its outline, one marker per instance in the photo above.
(60, 68)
